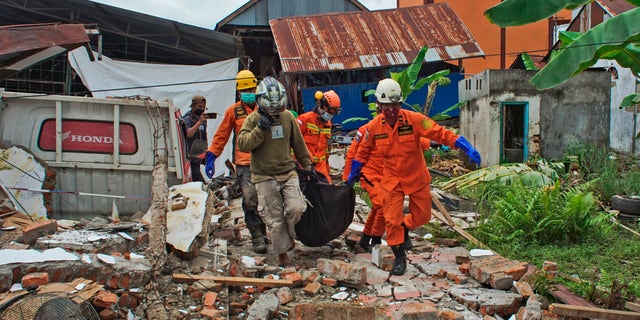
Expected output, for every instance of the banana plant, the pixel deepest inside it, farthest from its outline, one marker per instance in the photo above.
(615, 39)
(409, 82)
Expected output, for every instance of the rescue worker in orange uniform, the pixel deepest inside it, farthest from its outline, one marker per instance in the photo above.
(396, 135)
(315, 126)
(232, 121)
(370, 182)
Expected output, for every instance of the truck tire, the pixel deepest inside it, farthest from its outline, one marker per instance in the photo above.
(626, 205)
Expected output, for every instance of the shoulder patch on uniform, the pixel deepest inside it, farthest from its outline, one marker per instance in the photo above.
(426, 123)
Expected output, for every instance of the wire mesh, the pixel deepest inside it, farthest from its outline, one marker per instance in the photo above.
(49, 306)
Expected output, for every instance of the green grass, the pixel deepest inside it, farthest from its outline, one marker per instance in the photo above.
(596, 263)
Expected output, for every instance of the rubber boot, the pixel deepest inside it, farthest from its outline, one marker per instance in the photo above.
(407, 240)
(400, 263)
(257, 240)
(376, 240)
(364, 242)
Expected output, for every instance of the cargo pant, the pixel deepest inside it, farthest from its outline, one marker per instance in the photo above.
(282, 204)
(249, 198)
(393, 206)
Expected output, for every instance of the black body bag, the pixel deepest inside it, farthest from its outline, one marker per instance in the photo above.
(329, 211)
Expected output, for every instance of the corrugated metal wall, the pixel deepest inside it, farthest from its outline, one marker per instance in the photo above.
(354, 104)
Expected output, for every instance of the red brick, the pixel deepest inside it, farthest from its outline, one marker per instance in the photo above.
(107, 314)
(464, 268)
(105, 299)
(329, 282)
(125, 282)
(32, 232)
(210, 299)
(312, 289)
(417, 310)
(294, 277)
(460, 259)
(39, 278)
(442, 273)
(450, 315)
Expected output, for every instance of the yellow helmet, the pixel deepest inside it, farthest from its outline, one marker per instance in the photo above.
(246, 80)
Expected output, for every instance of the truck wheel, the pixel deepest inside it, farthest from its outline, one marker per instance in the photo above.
(625, 204)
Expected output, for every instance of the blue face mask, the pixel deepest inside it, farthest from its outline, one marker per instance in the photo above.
(248, 98)
(326, 116)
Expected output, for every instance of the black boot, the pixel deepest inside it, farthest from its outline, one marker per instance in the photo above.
(400, 263)
(364, 242)
(263, 228)
(407, 240)
(257, 240)
(375, 240)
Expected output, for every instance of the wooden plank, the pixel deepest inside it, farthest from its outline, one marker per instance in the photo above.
(635, 307)
(441, 208)
(445, 217)
(234, 281)
(563, 295)
(590, 312)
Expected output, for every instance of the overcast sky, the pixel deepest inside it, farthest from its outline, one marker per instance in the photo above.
(205, 13)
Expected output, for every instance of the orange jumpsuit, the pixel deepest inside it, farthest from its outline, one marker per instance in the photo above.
(232, 122)
(316, 133)
(372, 171)
(370, 181)
(405, 171)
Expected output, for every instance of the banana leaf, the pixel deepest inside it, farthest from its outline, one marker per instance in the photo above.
(612, 38)
(518, 12)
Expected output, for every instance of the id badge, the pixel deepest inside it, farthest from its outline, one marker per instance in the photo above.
(277, 132)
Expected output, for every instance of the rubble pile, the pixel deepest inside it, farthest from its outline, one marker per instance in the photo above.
(211, 272)
(103, 267)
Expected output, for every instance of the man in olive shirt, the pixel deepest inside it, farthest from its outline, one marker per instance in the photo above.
(270, 134)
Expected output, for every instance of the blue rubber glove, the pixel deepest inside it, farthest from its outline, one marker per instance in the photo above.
(465, 146)
(355, 173)
(210, 166)
(444, 148)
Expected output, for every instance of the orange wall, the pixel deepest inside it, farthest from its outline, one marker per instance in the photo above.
(532, 38)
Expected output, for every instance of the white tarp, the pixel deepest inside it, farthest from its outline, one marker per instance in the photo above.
(216, 81)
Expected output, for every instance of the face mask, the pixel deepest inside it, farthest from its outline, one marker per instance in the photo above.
(326, 116)
(248, 98)
(391, 115)
(198, 112)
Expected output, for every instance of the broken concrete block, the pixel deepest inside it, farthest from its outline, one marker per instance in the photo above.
(348, 274)
(266, 304)
(284, 295)
(188, 228)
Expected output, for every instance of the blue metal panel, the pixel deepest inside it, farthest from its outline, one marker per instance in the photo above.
(355, 104)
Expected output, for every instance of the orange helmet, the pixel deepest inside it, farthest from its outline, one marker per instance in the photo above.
(246, 80)
(329, 100)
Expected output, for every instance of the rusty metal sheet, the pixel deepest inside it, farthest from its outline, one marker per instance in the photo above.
(616, 7)
(359, 40)
(23, 38)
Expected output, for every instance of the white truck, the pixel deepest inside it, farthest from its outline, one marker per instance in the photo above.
(75, 137)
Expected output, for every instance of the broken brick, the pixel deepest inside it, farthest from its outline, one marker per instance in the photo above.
(105, 299)
(329, 282)
(32, 232)
(284, 295)
(210, 299)
(36, 278)
(312, 289)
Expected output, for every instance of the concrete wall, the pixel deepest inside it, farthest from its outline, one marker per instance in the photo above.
(578, 111)
(622, 133)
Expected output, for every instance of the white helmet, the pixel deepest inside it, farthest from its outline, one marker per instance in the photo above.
(388, 91)
(271, 96)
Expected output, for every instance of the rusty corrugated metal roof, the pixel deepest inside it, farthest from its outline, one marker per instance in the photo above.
(359, 40)
(616, 7)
